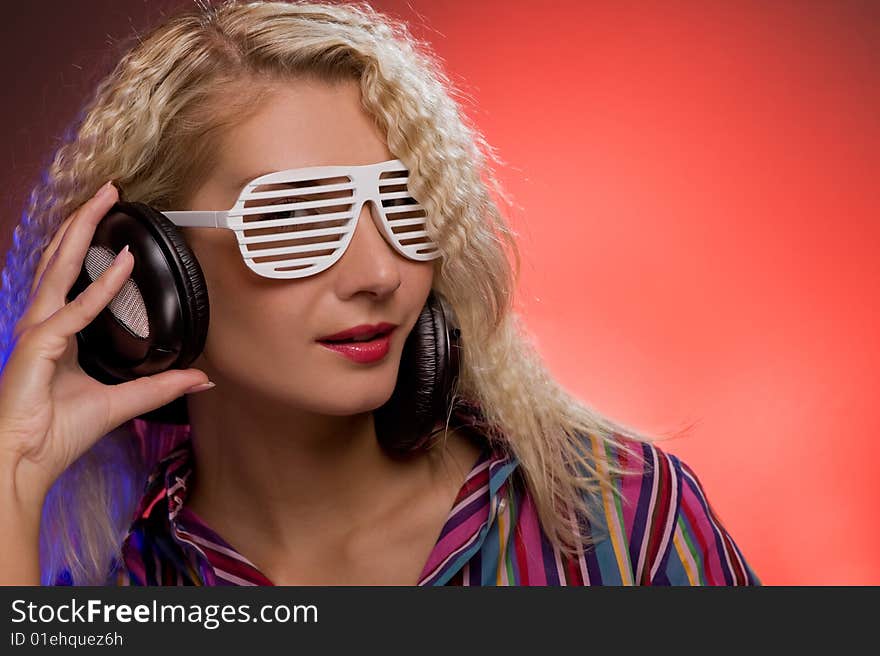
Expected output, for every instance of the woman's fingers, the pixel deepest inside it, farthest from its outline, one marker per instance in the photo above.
(51, 250)
(123, 401)
(56, 331)
(136, 397)
(64, 263)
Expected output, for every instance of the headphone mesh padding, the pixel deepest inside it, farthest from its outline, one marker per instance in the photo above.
(128, 305)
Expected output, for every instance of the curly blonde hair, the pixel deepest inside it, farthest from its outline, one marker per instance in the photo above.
(151, 126)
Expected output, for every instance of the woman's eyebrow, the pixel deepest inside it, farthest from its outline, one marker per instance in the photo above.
(250, 178)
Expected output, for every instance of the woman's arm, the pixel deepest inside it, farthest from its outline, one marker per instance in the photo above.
(20, 528)
(51, 411)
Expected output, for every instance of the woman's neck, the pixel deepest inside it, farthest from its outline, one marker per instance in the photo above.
(278, 480)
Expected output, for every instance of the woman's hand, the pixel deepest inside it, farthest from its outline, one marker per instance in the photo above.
(51, 411)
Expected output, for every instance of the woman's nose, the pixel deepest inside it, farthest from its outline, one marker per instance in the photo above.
(369, 263)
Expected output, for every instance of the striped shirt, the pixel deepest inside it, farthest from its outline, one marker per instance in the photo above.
(664, 532)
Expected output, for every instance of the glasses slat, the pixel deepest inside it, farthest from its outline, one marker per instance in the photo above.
(290, 250)
(288, 236)
(296, 191)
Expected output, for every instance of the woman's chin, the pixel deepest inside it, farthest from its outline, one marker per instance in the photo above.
(353, 399)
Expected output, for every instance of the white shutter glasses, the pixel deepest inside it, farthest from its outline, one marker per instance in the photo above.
(298, 222)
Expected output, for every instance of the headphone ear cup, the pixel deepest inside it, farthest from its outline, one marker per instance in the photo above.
(194, 298)
(159, 318)
(426, 379)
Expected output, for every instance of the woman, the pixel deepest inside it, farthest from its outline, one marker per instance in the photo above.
(281, 473)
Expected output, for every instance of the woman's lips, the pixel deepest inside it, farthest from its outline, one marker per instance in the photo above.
(362, 352)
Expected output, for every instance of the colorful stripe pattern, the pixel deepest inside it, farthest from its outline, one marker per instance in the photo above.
(663, 532)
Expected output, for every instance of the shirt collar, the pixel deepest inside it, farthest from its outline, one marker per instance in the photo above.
(162, 506)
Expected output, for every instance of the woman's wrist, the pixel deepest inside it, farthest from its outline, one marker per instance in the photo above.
(21, 493)
(20, 531)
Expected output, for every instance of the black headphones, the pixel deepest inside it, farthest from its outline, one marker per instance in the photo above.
(159, 321)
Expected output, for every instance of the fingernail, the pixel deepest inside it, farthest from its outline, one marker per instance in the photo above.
(106, 190)
(200, 388)
(118, 259)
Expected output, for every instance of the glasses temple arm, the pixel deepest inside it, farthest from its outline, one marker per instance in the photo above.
(199, 219)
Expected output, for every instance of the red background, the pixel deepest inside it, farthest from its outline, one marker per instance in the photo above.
(698, 216)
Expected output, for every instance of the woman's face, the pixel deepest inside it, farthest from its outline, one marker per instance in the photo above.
(262, 335)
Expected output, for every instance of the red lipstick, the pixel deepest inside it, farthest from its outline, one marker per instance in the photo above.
(363, 344)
